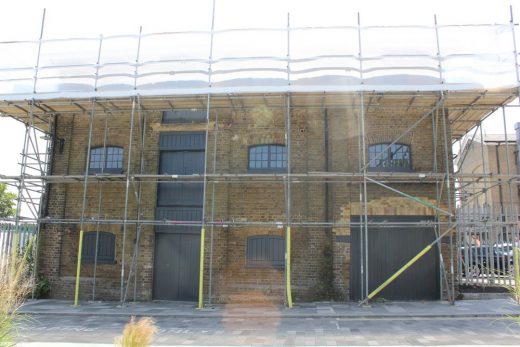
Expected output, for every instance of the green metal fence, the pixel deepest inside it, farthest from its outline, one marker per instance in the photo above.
(12, 236)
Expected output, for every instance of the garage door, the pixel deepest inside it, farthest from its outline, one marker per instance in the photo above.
(389, 248)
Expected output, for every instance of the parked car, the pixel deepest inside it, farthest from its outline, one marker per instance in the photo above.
(477, 260)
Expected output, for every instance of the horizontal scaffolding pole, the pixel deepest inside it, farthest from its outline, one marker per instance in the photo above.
(226, 224)
(416, 177)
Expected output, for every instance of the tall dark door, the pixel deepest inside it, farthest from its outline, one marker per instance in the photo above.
(389, 248)
(177, 248)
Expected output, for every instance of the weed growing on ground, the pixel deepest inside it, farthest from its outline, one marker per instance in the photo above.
(137, 334)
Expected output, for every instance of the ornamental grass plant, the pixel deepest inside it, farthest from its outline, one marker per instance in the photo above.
(15, 286)
(137, 333)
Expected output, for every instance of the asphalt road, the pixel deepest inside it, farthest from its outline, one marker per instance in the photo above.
(279, 331)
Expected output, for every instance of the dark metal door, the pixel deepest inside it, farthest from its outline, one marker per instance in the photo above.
(177, 248)
(177, 268)
(389, 248)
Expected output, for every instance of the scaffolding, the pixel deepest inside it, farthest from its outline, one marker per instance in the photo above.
(451, 108)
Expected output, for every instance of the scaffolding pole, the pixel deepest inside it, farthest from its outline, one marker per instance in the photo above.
(212, 227)
(449, 197)
(137, 191)
(208, 115)
(143, 136)
(83, 204)
(287, 180)
(129, 169)
(442, 269)
(517, 73)
(100, 185)
(127, 193)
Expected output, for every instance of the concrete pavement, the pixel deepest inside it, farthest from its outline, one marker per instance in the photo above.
(473, 322)
(462, 309)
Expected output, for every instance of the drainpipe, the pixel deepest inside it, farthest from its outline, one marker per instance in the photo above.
(326, 153)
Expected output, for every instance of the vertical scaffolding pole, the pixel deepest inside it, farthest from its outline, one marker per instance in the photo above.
(512, 213)
(517, 66)
(132, 270)
(363, 195)
(288, 290)
(439, 194)
(485, 208)
(128, 170)
(442, 269)
(127, 193)
(141, 170)
(449, 197)
(484, 172)
(208, 108)
(102, 169)
(84, 200)
(210, 292)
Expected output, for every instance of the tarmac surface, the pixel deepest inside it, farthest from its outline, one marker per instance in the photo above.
(468, 322)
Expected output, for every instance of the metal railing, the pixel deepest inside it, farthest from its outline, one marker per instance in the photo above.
(11, 236)
(488, 237)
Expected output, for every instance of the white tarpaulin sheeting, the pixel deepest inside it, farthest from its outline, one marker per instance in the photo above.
(339, 58)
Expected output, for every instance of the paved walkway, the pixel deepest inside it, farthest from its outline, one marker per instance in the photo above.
(469, 322)
(461, 309)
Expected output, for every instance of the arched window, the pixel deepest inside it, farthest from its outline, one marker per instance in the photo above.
(106, 247)
(267, 158)
(386, 157)
(106, 160)
(265, 251)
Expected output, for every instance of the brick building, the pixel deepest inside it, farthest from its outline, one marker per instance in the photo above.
(494, 154)
(245, 199)
(285, 166)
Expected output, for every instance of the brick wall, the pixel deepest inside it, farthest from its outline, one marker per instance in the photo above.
(233, 131)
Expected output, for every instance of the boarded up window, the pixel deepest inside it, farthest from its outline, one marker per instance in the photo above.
(106, 247)
(184, 116)
(265, 251)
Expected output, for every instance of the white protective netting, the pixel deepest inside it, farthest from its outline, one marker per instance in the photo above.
(333, 58)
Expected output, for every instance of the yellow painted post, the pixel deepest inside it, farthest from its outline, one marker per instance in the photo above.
(517, 273)
(288, 268)
(78, 269)
(201, 270)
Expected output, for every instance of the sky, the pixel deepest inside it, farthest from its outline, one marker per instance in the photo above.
(21, 20)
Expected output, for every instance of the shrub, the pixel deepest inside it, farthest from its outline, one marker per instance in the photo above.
(42, 288)
(325, 288)
(137, 334)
